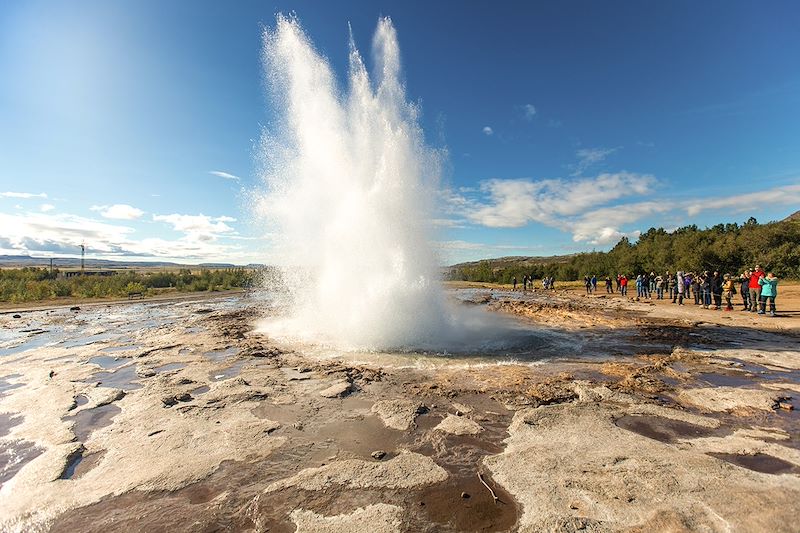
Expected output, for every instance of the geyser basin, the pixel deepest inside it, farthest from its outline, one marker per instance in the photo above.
(348, 200)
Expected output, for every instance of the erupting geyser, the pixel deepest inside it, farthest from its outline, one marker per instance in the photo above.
(350, 191)
(350, 188)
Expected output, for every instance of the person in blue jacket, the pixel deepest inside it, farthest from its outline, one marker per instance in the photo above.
(769, 291)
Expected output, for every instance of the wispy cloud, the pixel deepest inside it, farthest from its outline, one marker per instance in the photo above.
(487, 130)
(198, 227)
(573, 205)
(590, 156)
(118, 211)
(741, 203)
(528, 111)
(44, 208)
(46, 234)
(224, 175)
(22, 195)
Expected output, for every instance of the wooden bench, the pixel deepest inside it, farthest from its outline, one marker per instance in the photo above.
(135, 296)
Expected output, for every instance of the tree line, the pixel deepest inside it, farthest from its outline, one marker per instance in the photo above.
(34, 284)
(727, 248)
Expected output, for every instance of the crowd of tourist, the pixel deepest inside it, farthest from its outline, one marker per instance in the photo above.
(706, 289)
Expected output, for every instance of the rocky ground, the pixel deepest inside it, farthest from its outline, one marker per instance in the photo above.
(179, 416)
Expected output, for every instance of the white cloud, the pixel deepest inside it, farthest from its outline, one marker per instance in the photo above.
(515, 203)
(580, 206)
(741, 203)
(528, 111)
(118, 211)
(602, 226)
(22, 195)
(198, 227)
(590, 156)
(487, 130)
(44, 208)
(224, 175)
(45, 234)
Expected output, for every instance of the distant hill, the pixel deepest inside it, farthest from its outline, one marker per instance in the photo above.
(513, 260)
(793, 216)
(72, 262)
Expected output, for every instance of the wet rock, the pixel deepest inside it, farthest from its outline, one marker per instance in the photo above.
(405, 471)
(378, 454)
(16, 316)
(337, 390)
(398, 414)
(203, 311)
(729, 398)
(458, 425)
(785, 405)
(171, 400)
(145, 372)
(75, 308)
(377, 518)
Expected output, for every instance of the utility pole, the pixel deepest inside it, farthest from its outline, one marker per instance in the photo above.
(83, 252)
(51, 268)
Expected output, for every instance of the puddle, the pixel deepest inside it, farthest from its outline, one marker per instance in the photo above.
(91, 419)
(35, 340)
(80, 399)
(229, 372)
(760, 462)
(122, 378)
(78, 463)
(6, 385)
(14, 455)
(169, 367)
(200, 390)
(108, 361)
(124, 348)
(222, 355)
(8, 421)
(662, 429)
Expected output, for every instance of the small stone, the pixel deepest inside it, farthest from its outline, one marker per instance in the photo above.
(74, 308)
(378, 454)
(298, 426)
(464, 495)
(185, 397)
(16, 316)
(785, 405)
(573, 505)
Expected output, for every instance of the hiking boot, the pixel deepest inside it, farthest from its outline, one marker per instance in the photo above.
(772, 313)
(761, 312)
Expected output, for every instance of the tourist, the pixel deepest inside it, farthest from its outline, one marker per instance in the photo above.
(652, 278)
(659, 287)
(594, 283)
(668, 280)
(514, 281)
(695, 286)
(705, 289)
(716, 290)
(646, 285)
(728, 290)
(769, 290)
(754, 288)
(679, 288)
(609, 286)
(623, 285)
(619, 277)
(638, 286)
(673, 288)
(744, 288)
(587, 282)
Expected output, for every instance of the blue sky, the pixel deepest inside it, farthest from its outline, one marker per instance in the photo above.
(134, 126)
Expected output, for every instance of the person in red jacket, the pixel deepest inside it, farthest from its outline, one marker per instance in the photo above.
(623, 285)
(755, 288)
